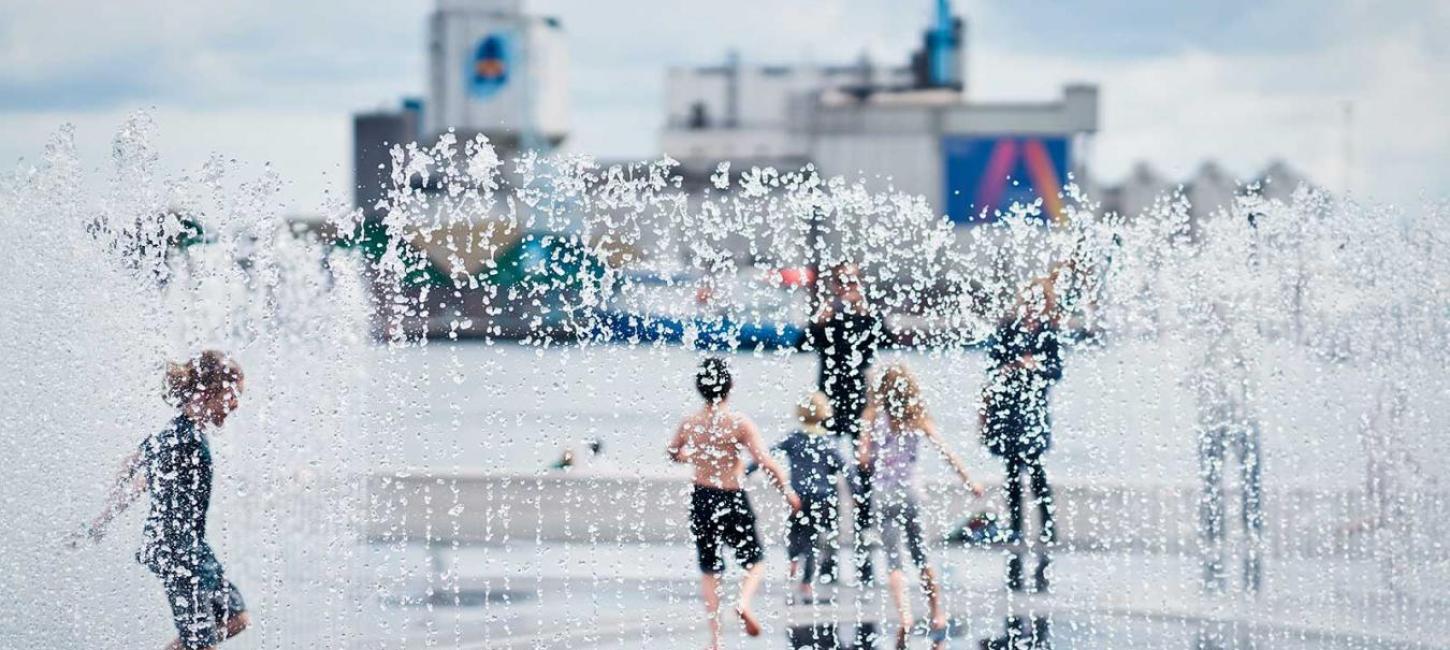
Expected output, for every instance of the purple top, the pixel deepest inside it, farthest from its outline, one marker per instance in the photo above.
(895, 456)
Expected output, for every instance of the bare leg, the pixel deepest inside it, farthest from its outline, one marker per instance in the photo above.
(1252, 507)
(1210, 508)
(710, 591)
(794, 576)
(232, 627)
(933, 598)
(748, 586)
(237, 624)
(896, 582)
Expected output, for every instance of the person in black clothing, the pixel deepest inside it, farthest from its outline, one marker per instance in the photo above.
(845, 334)
(1016, 419)
(174, 467)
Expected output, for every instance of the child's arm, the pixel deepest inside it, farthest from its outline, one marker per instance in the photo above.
(130, 483)
(750, 438)
(676, 448)
(934, 436)
(777, 447)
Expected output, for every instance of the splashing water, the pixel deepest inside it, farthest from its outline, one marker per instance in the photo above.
(106, 285)
(1244, 442)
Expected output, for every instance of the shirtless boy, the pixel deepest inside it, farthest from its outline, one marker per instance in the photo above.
(711, 440)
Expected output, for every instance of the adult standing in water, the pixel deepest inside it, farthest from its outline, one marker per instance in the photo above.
(711, 440)
(174, 467)
(845, 334)
(1016, 419)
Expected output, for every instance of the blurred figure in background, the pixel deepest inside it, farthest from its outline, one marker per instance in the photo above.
(593, 458)
(845, 333)
(1016, 418)
(1221, 384)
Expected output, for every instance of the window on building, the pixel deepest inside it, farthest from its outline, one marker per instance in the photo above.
(699, 116)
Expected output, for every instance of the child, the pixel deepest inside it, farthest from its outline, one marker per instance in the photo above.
(174, 467)
(891, 443)
(711, 440)
(816, 467)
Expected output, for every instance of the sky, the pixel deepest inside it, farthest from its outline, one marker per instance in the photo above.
(1354, 93)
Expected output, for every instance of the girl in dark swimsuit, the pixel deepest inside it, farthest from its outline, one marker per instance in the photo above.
(175, 468)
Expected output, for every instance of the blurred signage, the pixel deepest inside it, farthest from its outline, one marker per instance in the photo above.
(488, 71)
(987, 174)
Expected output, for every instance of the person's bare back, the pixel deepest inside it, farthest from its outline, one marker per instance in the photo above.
(712, 440)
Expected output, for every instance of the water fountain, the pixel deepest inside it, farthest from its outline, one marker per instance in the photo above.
(412, 382)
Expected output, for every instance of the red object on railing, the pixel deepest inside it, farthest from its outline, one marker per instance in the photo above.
(796, 277)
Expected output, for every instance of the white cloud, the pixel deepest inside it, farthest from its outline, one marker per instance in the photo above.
(1244, 109)
(310, 152)
(221, 54)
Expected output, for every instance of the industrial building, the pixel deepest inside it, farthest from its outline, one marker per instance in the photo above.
(913, 125)
(497, 70)
(493, 69)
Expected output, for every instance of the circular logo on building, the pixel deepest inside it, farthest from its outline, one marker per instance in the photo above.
(488, 70)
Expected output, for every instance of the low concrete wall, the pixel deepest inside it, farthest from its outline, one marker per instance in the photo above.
(482, 508)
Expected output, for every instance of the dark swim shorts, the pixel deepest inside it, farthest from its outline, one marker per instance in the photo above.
(201, 602)
(723, 516)
(812, 526)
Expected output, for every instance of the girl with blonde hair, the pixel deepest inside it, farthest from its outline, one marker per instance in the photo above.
(896, 423)
(174, 467)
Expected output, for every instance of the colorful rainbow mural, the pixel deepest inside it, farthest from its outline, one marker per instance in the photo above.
(986, 174)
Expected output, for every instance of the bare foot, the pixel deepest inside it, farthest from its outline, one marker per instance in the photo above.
(752, 626)
(238, 624)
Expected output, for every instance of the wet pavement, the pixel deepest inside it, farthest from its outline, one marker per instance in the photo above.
(620, 596)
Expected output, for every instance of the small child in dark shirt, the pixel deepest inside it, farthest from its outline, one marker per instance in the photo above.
(816, 467)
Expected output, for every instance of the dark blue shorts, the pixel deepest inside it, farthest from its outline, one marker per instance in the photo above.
(812, 527)
(201, 600)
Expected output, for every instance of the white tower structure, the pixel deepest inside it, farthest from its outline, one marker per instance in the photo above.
(496, 70)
